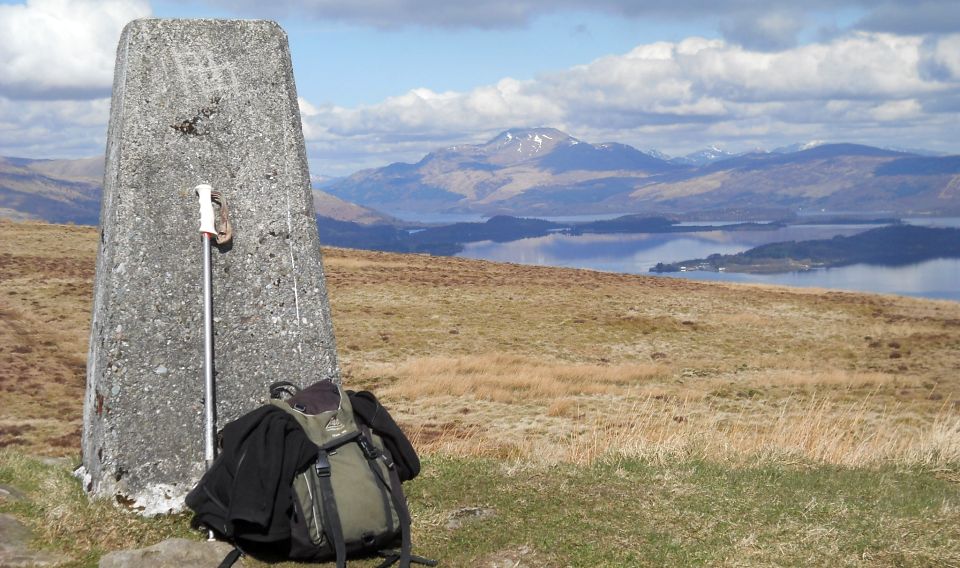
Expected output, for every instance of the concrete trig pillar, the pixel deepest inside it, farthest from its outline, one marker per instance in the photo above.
(197, 101)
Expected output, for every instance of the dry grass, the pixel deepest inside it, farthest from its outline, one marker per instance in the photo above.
(62, 517)
(810, 430)
(638, 394)
(46, 285)
(553, 364)
(510, 378)
(478, 358)
(511, 406)
(581, 432)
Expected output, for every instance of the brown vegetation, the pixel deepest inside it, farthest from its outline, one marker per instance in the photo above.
(46, 285)
(554, 364)
(479, 358)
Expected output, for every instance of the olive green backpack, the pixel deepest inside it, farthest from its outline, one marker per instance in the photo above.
(351, 500)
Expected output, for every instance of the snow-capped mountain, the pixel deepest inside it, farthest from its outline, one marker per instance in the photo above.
(543, 171)
(798, 147)
(517, 145)
(658, 154)
(703, 157)
(512, 163)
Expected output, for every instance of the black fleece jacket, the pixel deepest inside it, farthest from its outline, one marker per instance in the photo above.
(368, 410)
(248, 489)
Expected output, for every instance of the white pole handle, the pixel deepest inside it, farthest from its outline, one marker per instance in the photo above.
(206, 210)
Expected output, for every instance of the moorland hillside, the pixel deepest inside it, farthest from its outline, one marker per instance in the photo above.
(584, 418)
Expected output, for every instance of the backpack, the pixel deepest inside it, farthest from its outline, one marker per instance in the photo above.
(338, 488)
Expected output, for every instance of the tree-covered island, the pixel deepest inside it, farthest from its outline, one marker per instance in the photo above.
(891, 246)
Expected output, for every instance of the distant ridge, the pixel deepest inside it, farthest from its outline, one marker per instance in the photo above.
(69, 191)
(704, 157)
(544, 171)
(59, 191)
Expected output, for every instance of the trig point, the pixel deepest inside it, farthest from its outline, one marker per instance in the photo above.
(197, 102)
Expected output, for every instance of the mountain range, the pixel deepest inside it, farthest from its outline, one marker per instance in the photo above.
(59, 191)
(543, 171)
(69, 191)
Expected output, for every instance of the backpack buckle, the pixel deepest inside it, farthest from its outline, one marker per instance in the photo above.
(387, 460)
(323, 465)
(369, 450)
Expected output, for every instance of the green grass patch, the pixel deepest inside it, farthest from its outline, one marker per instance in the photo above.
(634, 513)
(475, 512)
(64, 520)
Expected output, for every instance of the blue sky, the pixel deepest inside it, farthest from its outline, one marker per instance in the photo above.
(390, 80)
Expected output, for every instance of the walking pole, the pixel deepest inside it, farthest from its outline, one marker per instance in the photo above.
(207, 229)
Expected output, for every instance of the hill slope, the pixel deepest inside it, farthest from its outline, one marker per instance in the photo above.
(59, 191)
(565, 417)
(69, 191)
(544, 171)
(410, 324)
(834, 177)
(538, 170)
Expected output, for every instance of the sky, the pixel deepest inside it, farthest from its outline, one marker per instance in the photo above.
(381, 81)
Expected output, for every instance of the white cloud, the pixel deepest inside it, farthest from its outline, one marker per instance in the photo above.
(682, 81)
(676, 93)
(944, 54)
(858, 66)
(422, 112)
(62, 49)
(53, 129)
(896, 110)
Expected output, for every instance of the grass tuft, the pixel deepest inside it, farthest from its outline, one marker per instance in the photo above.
(64, 520)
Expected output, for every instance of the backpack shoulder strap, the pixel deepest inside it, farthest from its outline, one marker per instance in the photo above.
(329, 504)
(400, 502)
(231, 558)
(394, 487)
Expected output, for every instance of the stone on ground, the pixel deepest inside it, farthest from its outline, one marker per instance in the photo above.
(172, 553)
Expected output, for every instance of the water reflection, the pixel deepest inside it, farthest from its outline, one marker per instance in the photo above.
(930, 279)
(638, 253)
(953, 222)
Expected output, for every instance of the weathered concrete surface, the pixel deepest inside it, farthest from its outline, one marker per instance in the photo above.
(172, 553)
(197, 101)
